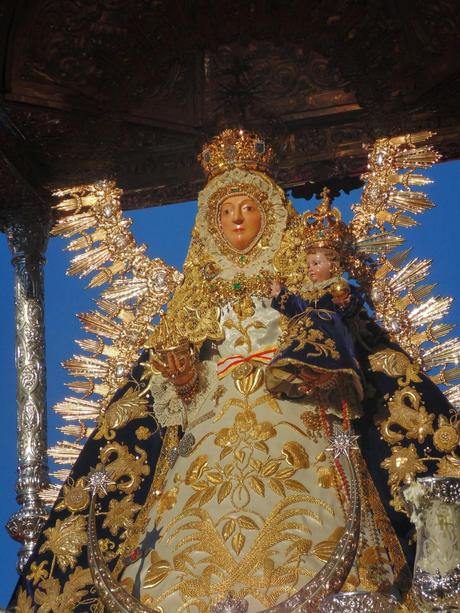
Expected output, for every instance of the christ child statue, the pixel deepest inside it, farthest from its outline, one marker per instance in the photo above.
(316, 354)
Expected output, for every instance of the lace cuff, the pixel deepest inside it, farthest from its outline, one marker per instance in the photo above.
(168, 407)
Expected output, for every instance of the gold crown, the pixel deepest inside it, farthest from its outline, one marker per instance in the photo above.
(236, 148)
(327, 230)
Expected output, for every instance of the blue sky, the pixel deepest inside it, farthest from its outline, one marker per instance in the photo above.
(166, 230)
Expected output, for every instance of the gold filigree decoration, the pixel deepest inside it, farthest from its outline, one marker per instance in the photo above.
(196, 306)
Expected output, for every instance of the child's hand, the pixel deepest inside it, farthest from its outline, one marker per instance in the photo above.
(276, 288)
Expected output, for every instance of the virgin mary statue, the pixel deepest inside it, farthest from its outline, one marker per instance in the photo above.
(222, 477)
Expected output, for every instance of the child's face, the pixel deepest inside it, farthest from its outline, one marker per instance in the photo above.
(318, 266)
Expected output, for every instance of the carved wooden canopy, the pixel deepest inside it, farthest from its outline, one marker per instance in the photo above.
(130, 89)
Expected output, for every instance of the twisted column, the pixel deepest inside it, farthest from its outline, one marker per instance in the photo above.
(28, 240)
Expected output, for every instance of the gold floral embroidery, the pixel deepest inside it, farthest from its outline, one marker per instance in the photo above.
(120, 514)
(65, 540)
(143, 433)
(217, 395)
(171, 440)
(446, 438)
(449, 466)
(312, 423)
(283, 301)
(75, 497)
(24, 603)
(326, 476)
(108, 549)
(394, 364)
(295, 455)
(50, 597)
(38, 572)
(125, 465)
(324, 549)
(130, 406)
(407, 411)
(167, 501)
(246, 405)
(302, 332)
(403, 465)
(196, 469)
(157, 571)
(266, 583)
(245, 473)
(244, 308)
(245, 429)
(244, 338)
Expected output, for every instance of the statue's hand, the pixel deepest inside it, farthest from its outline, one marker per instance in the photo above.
(276, 288)
(177, 364)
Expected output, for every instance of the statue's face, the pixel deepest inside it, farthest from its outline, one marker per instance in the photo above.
(318, 266)
(240, 221)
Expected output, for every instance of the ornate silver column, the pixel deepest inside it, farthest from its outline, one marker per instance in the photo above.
(28, 241)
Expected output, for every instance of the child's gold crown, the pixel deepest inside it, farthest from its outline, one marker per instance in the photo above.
(236, 148)
(327, 230)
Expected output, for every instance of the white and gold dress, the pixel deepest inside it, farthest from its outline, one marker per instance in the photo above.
(257, 507)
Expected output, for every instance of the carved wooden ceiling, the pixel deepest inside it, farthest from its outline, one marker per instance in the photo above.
(131, 89)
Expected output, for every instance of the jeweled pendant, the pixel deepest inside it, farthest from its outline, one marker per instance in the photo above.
(186, 444)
